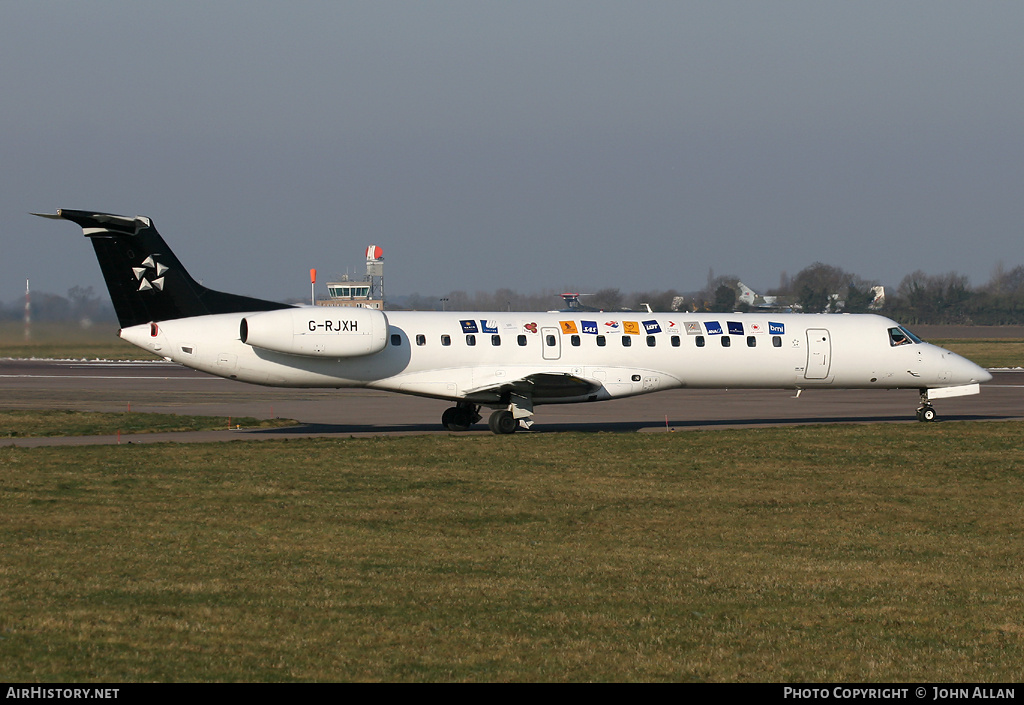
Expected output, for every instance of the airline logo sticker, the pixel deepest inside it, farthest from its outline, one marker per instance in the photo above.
(612, 327)
(631, 327)
(756, 328)
(672, 327)
(589, 327)
(153, 282)
(489, 326)
(469, 326)
(693, 328)
(530, 327)
(735, 328)
(509, 326)
(652, 327)
(568, 327)
(713, 327)
(776, 328)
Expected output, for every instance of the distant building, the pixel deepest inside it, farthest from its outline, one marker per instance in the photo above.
(367, 292)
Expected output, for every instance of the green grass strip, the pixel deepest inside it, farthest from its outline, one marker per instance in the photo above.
(860, 553)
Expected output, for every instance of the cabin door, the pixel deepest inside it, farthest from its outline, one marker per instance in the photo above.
(551, 342)
(819, 354)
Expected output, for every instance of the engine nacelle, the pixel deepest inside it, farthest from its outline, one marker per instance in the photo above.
(317, 331)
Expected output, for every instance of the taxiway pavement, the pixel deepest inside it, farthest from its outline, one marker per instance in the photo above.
(169, 388)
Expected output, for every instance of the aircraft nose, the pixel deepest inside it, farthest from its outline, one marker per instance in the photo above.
(970, 372)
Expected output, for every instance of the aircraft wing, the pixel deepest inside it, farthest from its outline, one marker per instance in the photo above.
(540, 385)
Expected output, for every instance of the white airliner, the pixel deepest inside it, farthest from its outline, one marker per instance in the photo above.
(507, 362)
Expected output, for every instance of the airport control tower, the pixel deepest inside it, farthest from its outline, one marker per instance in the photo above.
(367, 292)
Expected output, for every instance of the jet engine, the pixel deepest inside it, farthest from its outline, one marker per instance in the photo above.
(317, 331)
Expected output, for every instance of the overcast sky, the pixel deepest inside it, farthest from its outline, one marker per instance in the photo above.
(531, 145)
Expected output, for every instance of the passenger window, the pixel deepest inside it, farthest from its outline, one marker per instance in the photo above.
(396, 339)
(575, 340)
(700, 341)
(675, 341)
(522, 341)
(751, 341)
(601, 341)
(651, 341)
(446, 340)
(726, 341)
(550, 340)
(421, 339)
(470, 339)
(777, 341)
(626, 341)
(495, 340)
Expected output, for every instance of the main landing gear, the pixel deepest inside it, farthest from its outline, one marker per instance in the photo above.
(519, 412)
(502, 421)
(461, 417)
(926, 412)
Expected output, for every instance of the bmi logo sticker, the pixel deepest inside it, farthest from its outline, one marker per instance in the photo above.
(776, 328)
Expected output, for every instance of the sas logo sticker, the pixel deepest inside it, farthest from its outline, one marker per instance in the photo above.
(589, 327)
(776, 328)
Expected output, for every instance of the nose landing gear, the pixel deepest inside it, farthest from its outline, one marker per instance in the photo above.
(926, 412)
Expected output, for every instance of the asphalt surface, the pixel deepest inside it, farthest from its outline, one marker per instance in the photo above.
(169, 388)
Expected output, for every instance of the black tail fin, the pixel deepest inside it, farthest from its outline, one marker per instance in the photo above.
(146, 281)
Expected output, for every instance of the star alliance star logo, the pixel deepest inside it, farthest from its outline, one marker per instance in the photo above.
(149, 280)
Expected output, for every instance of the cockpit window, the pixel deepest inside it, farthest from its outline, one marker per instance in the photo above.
(911, 335)
(902, 336)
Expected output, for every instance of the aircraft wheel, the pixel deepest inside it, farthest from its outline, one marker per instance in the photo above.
(502, 421)
(928, 414)
(456, 418)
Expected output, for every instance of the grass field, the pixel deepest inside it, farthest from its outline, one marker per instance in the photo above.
(989, 353)
(833, 553)
(33, 423)
(64, 341)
